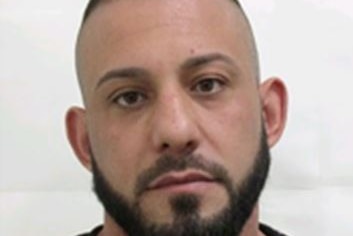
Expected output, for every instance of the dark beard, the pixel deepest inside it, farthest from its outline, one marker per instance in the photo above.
(187, 221)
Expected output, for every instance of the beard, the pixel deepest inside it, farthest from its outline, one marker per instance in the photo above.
(187, 221)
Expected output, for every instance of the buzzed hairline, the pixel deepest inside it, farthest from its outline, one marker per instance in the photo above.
(93, 4)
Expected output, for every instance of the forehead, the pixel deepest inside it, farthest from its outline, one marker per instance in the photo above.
(121, 26)
(166, 4)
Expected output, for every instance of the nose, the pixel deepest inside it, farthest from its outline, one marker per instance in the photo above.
(175, 128)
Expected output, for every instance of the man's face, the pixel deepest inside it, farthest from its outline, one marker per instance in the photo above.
(166, 78)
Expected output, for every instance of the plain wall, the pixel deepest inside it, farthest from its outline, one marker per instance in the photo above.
(308, 43)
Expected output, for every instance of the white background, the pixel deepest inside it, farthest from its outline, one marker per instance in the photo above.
(309, 43)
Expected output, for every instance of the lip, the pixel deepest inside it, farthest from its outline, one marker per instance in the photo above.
(180, 179)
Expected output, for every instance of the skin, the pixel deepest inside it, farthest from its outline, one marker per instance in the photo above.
(216, 109)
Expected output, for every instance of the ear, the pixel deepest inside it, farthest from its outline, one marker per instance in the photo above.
(77, 134)
(274, 108)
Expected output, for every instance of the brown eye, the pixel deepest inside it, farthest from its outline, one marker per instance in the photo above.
(208, 86)
(130, 99)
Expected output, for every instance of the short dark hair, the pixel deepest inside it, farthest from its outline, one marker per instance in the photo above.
(92, 5)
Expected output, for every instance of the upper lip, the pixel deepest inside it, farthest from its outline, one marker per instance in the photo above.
(176, 178)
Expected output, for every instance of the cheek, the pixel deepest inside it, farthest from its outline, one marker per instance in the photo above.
(117, 150)
(234, 133)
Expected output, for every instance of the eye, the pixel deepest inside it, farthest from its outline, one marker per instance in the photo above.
(130, 99)
(208, 86)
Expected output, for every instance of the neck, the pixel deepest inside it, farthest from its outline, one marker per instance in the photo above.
(251, 227)
(110, 228)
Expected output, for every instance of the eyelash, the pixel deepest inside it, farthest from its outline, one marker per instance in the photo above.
(125, 94)
(142, 97)
(219, 80)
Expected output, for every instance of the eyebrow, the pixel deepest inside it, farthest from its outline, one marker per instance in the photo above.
(123, 73)
(198, 61)
(189, 64)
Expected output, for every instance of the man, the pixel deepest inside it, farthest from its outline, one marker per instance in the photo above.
(176, 128)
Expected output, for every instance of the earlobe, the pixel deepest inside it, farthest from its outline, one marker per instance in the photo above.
(274, 107)
(77, 134)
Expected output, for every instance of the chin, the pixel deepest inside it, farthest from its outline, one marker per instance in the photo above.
(165, 206)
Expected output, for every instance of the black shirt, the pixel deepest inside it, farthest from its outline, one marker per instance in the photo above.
(268, 231)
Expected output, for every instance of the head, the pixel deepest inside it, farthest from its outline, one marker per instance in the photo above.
(176, 125)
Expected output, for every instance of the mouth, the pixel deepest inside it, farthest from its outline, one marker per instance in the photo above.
(181, 181)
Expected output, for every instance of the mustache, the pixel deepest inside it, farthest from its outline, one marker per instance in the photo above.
(169, 163)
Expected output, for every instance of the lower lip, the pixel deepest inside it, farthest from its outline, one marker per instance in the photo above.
(192, 187)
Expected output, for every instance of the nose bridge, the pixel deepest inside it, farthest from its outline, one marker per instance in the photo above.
(174, 122)
(175, 110)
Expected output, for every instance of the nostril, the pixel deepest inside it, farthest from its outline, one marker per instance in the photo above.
(190, 146)
(165, 146)
(185, 149)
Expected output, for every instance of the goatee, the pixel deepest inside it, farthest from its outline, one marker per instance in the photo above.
(187, 221)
